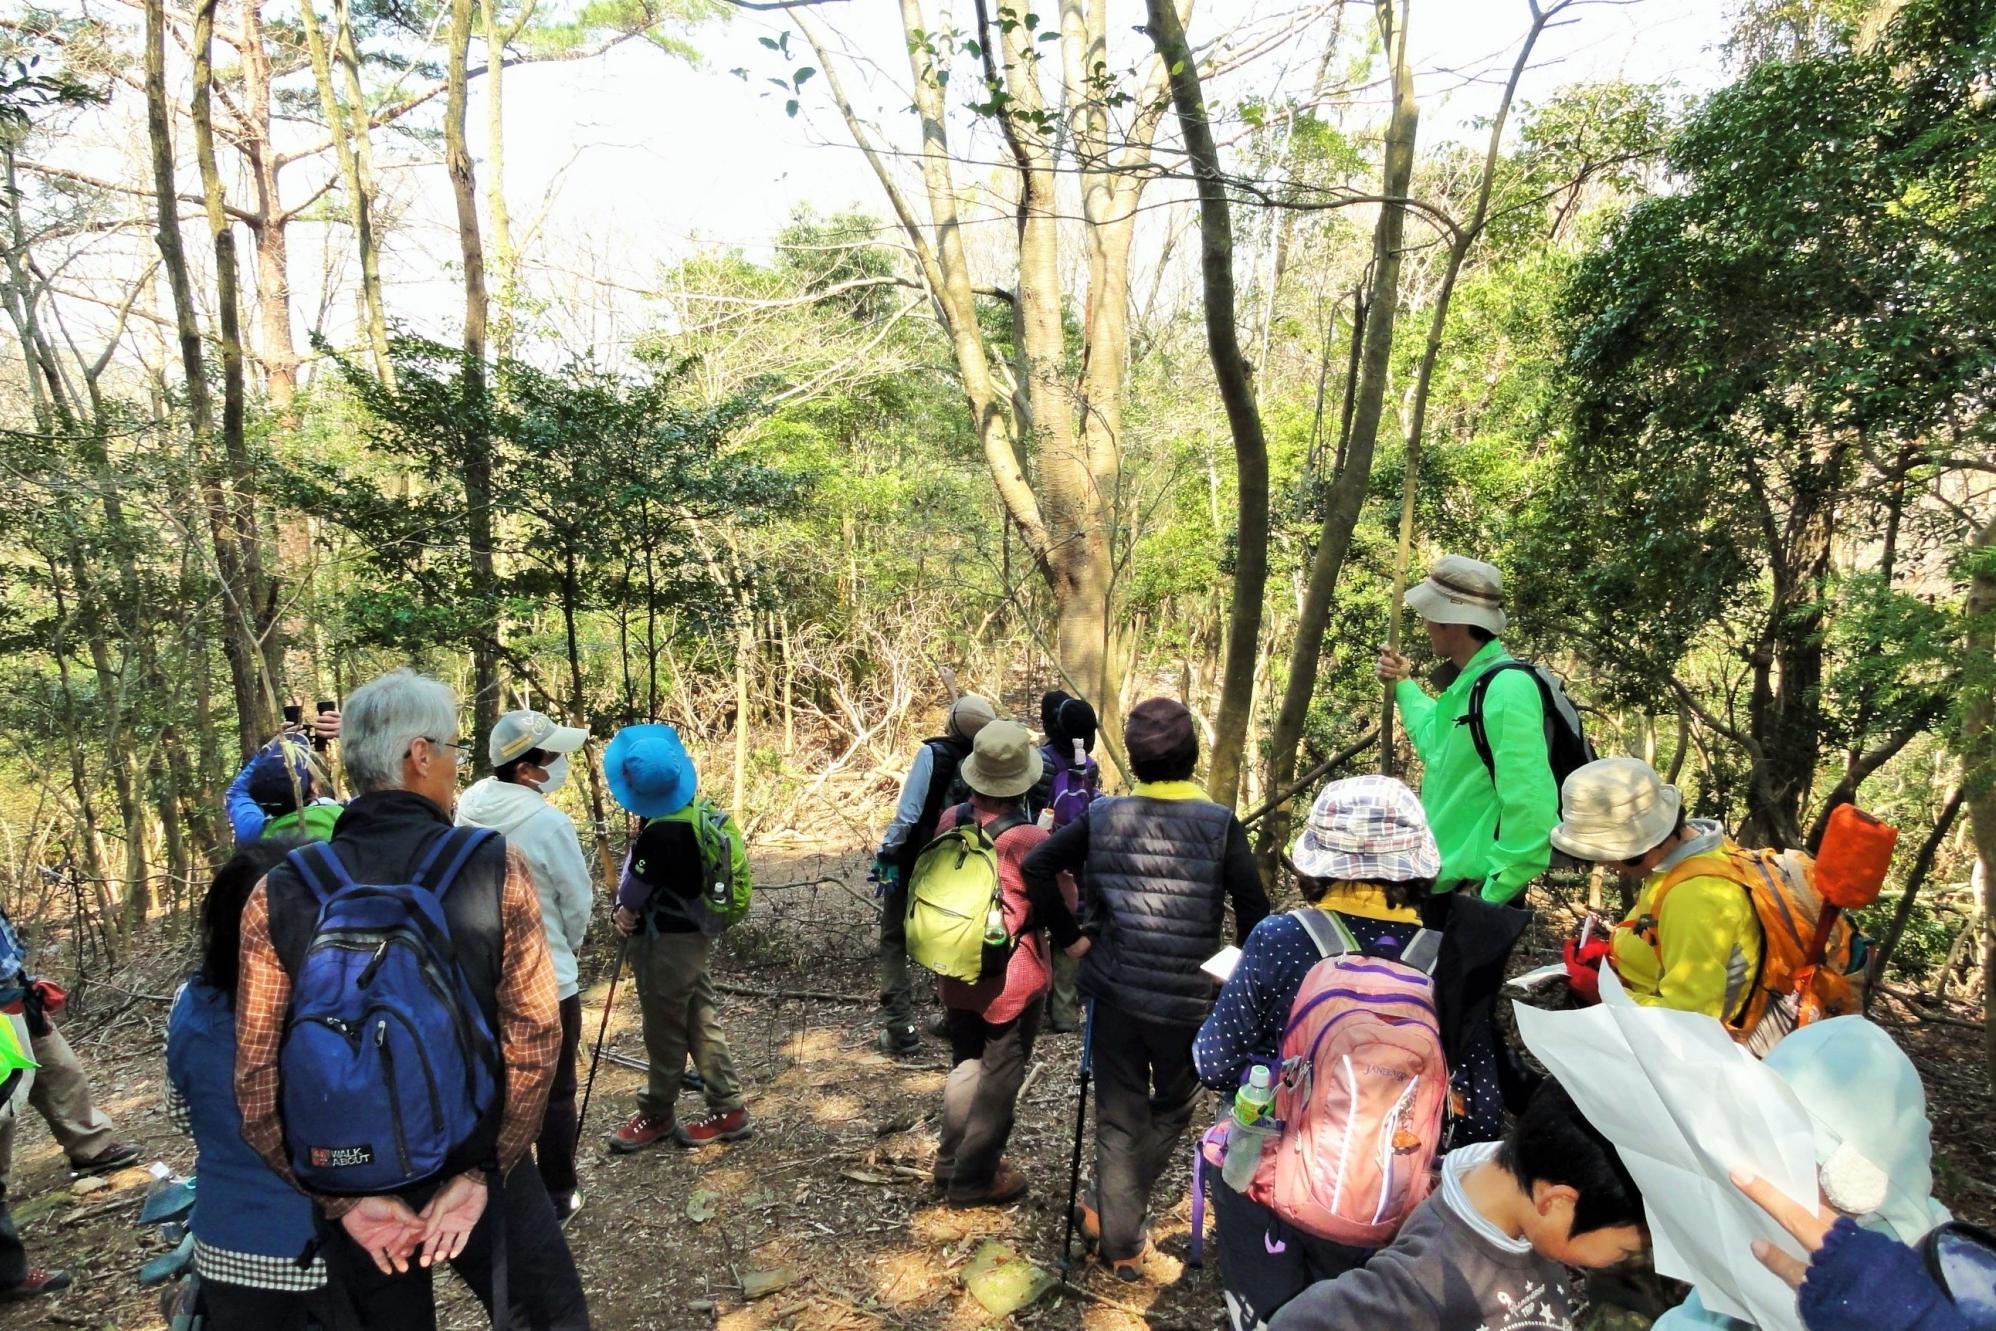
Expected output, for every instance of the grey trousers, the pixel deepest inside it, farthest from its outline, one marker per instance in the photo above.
(61, 1094)
(897, 999)
(676, 996)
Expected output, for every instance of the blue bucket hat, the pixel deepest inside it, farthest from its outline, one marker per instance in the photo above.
(649, 771)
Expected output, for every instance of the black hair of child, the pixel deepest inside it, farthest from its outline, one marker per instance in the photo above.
(1553, 1143)
(222, 909)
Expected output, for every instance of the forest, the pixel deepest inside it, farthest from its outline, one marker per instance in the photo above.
(1154, 350)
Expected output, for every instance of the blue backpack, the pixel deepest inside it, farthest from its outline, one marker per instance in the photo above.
(388, 1064)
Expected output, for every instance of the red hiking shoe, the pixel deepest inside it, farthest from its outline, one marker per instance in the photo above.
(37, 1282)
(729, 1125)
(638, 1132)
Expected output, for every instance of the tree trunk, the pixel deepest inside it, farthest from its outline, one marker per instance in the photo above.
(478, 458)
(346, 54)
(505, 262)
(1916, 875)
(578, 715)
(1978, 743)
(238, 637)
(1459, 248)
(278, 349)
(1347, 493)
(1236, 384)
(1784, 709)
(359, 208)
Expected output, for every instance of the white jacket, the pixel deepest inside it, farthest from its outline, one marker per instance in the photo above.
(547, 838)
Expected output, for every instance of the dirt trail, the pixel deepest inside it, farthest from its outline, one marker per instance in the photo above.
(826, 1212)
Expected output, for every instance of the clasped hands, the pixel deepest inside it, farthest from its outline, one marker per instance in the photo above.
(391, 1233)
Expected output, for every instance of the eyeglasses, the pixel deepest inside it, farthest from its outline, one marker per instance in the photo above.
(460, 751)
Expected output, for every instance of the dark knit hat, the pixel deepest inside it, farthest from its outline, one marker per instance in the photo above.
(1050, 702)
(1074, 721)
(1160, 731)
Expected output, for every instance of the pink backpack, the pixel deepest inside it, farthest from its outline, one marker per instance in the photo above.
(1362, 1091)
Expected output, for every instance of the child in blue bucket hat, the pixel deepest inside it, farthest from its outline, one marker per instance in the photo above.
(658, 909)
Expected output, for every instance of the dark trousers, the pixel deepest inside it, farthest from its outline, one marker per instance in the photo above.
(554, 1151)
(1257, 1281)
(13, 1256)
(226, 1307)
(544, 1292)
(1145, 1090)
(988, 1065)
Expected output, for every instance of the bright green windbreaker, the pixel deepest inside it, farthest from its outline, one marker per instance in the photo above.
(1496, 837)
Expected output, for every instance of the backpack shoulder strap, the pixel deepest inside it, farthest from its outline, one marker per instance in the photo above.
(1327, 933)
(320, 869)
(1002, 824)
(447, 856)
(1479, 733)
(1423, 952)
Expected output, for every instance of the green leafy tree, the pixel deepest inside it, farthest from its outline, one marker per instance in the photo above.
(1787, 348)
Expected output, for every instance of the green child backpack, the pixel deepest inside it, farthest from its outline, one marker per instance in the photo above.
(951, 890)
(724, 894)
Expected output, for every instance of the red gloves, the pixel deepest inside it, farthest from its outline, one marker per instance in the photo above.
(1583, 967)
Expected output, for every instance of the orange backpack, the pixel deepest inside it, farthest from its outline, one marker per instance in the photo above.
(1786, 990)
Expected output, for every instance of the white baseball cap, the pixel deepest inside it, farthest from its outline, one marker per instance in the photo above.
(517, 734)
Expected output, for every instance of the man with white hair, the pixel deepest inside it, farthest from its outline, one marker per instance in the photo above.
(402, 748)
(1491, 818)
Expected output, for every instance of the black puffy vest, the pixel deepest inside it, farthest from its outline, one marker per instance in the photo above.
(1156, 891)
(946, 791)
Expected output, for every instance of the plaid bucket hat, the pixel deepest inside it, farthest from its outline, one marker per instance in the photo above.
(1369, 829)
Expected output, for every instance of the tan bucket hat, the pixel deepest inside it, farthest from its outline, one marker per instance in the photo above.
(1003, 761)
(968, 715)
(1460, 591)
(1615, 809)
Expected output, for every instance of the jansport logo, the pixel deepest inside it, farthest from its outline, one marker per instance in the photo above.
(341, 1157)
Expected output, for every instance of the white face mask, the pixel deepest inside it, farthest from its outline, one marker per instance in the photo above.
(557, 775)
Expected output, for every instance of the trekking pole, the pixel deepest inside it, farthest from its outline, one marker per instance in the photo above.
(1080, 1122)
(596, 1055)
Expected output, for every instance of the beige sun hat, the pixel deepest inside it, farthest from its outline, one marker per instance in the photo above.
(1003, 761)
(1460, 591)
(1615, 809)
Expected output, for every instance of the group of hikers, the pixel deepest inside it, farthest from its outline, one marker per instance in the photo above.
(377, 1056)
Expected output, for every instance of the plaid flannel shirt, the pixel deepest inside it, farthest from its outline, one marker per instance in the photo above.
(529, 1027)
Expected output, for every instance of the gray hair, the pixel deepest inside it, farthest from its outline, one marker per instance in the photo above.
(384, 716)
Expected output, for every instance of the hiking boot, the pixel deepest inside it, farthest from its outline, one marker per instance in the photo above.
(115, 1156)
(1006, 1185)
(718, 1125)
(1129, 1270)
(690, 1080)
(37, 1282)
(638, 1132)
(1087, 1221)
(1062, 1026)
(900, 1041)
(938, 1026)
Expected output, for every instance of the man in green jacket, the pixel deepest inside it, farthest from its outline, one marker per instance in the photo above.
(1493, 834)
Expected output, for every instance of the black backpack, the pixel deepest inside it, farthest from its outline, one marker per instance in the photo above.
(1566, 741)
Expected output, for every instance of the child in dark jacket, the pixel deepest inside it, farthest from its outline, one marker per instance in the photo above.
(651, 775)
(250, 1226)
(1489, 1250)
